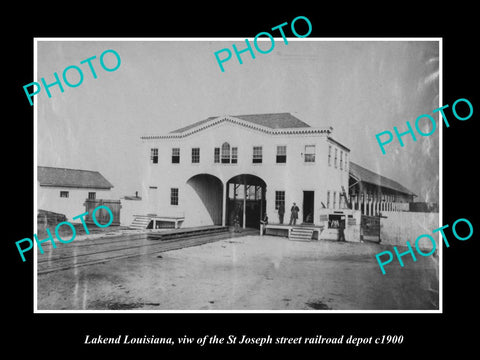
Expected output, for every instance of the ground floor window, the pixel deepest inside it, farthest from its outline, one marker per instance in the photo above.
(174, 196)
(279, 199)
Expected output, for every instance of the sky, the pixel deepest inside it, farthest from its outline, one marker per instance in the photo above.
(360, 88)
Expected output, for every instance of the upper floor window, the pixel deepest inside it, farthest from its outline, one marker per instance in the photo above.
(154, 156)
(175, 155)
(328, 199)
(309, 153)
(335, 160)
(64, 194)
(226, 153)
(195, 155)
(281, 154)
(329, 155)
(92, 195)
(346, 162)
(341, 160)
(257, 155)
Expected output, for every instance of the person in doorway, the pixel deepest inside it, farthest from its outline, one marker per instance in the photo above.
(236, 223)
(281, 213)
(294, 214)
(263, 223)
(309, 219)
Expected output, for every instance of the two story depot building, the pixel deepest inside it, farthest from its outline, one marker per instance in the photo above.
(243, 167)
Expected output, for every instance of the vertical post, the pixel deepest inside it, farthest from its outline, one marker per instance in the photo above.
(262, 226)
(364, 209)
(261, 203)
(224, 202)
(367, 210)
(244, 201)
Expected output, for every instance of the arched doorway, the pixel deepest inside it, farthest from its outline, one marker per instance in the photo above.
(246, 199)
(204, 194)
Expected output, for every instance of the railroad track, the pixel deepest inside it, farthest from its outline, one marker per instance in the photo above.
(87, 252)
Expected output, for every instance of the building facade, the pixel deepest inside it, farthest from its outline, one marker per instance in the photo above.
(64, 191)
(229, 168)
(372, 193)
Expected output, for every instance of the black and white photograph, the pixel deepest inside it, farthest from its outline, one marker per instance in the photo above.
(260, 187)
(221, 179)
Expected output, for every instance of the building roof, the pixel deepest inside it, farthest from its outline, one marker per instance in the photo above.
(368, 176)
(61, 177)
(272, 121)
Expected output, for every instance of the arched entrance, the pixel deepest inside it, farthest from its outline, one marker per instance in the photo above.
(246, 199)
(204, 194)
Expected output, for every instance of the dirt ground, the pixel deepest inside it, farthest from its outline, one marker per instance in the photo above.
(247, 273)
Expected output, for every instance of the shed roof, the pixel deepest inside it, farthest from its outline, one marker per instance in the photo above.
(371, 177)
(62, 177)
(272, 121)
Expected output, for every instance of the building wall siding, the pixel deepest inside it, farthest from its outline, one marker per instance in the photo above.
(48, 198)
(293, 177)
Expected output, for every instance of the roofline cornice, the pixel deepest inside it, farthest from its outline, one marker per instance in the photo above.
(75, 187)
(337, 143)
(285, 131)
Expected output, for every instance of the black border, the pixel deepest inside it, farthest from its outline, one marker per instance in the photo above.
(424, 333)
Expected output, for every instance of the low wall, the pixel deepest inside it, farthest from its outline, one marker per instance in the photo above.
(399, 227)
(277, 232)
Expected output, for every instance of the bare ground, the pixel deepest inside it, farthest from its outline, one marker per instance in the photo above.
(247, 273)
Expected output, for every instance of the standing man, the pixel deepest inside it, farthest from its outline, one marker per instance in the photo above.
(341, 230)
(294, 214)
(281, 212)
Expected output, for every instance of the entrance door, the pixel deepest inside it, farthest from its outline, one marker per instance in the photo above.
(308, 201)
(246, 199)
